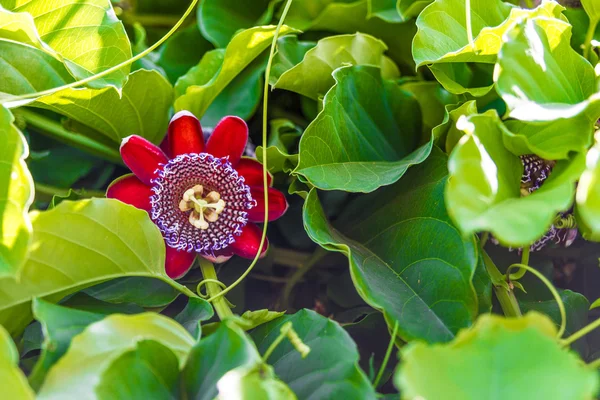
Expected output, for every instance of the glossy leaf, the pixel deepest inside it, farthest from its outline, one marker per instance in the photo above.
(211, 358)
(101, 39)
(253, 382)
(16, 195)
(538, 89)
(145, 292)
(202, 84)
(367, 136)
(425, 285)
(141, 109)
(219, 20)
(332, 353)
(14, 382)
(86, 367)
(512, 358)
(588, 197)
(195, 311)
(442, 39)
(483, 193)
(66, 255)
(312, 77)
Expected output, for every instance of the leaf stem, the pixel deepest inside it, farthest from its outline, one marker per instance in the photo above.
(595, 364)
(587, 44)
(386, 358)
(581, 333)
(53, 190)
(469, 25)
(559, 302)
(264, 144)
(56, 131)
(506, 296)
(210, 275)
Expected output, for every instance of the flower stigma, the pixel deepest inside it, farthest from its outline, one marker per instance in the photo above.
(203, 209)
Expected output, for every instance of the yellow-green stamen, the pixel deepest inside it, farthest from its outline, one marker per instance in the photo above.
(204, 209)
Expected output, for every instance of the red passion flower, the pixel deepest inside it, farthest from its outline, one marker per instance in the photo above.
(204, 198)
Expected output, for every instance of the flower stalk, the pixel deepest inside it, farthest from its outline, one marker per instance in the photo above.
(219, 303)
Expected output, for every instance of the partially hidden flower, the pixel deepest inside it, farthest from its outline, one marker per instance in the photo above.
(204, 197)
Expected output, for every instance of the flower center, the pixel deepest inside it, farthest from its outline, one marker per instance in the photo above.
(208, 207)
(200, 203)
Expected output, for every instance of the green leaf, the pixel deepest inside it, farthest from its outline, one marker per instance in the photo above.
(174, 56)
(348, 16)
(16, 195)
(201, 85)
(212, 357)
(290, 52)
(367, 136)
(385, 9)
(312, 77)
(483, 193)
(62, 167)
(253, 382)
(195, 311)
(592, 8)
(283, 139)
(60, 325)
(588, 197)
(530, 74)
(150, 371)
(332, 353)
(66, 254)
(87, 366)
(411, 8)
(552, 140)
(142, 108)
(446, 133)
(145, 292)
(442, 39)
(426, 288)
(219, 20)
(432, 99)
(512, 358)
(101, 39)
(14, 382)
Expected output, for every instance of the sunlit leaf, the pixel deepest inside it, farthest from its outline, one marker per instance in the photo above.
(16, 195)
(14, 382)
(253, 382)
(588, 197)
(511, 358)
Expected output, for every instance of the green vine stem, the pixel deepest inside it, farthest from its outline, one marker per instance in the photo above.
(287, 330)
(469, 24)
(214, 288)
(264, 161)
(587, 45)
(595, 364)
(581, 333)
(524, 261)
(55, 130)
(559, 302)
(506, 296)
(56, 191)
(386, 358)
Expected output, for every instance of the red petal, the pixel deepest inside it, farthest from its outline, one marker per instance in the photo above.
(220, 256)
(178, 262)
(129, 189)
(277, 204)
(246, 245)
(164, 146)
(142, 157)
(229, 138)
(252, 172)
(185, 134)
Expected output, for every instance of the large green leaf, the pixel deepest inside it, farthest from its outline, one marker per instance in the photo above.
(483, 193)
(512, 358)
(330, 371)
(351, 16)
(28, 64)
(367, 136)
(14, 382)
(442, 39)
(256, 381)
(142, 108)
(588, 197)
(16, 195)
(145, 292)
(531, 78)
(312, 77)
(202, 84)
(174, 56)
(225, 349)
(88, 367)
(219, 20)
(79, 244)
(423, 284)
(290, 52)
(592, 8)
(432, 99)
(101, 39)
(396, 10)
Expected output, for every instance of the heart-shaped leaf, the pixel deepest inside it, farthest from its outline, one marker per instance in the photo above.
(367, 136)
(424, 285)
